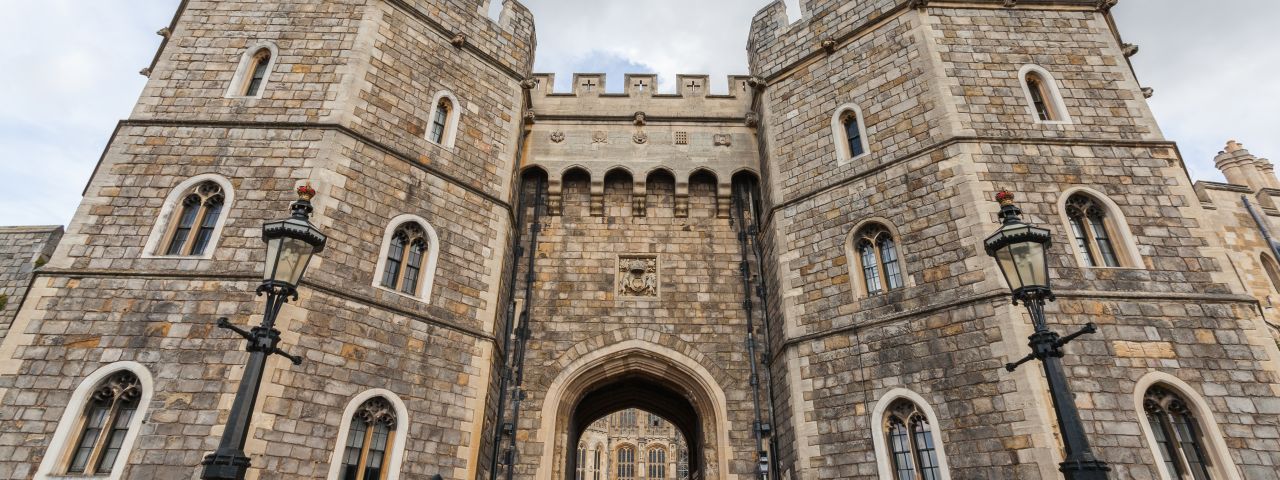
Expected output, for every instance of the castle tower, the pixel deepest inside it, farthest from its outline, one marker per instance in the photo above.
(405, 117)
(886, 128)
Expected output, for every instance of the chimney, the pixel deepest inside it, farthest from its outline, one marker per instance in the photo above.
(1241, 168)
(1268, 171)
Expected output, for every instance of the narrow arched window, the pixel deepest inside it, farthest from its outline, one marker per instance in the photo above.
(595, 463)
(403, 269)
(1091, 231)
(582, 464)
(1273, 272)
(657, 463)
(910, 439)
(626, 463)
(257, 72)
(1178, 434)
(1040, 97)
(192, 227)
(878, 260)
(104, 425)
(853, 134)
(850, 132)
(371, 433)
(440, 121)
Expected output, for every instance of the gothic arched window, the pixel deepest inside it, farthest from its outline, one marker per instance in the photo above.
(626, 463)
(192, 226)
(371, 433)
(910, 439)
(657, 464)
(878, 259)
(403, 270)
(1092, 231)
(104, 425)
(1178, 434)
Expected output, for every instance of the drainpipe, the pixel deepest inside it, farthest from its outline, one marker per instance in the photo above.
(744, 200)
(522, 333)
(1262, 226)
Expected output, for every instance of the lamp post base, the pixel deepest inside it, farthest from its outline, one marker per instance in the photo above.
(224, 466)
(1084, 470)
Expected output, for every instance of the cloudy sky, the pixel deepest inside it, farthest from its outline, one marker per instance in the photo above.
(71, 71)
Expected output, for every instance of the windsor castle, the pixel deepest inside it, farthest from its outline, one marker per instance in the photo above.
(786, 281)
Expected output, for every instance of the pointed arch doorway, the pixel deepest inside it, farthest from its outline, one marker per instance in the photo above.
(645, 376)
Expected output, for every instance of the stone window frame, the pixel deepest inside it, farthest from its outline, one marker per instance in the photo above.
(844, 155)
(161, 230)
(635, 463)
(656, 460)
(1272, 270)
(248, 63)
(1122, 240)
(427, 281)
(883, 461)
(59, 449)
(451, 124)
(854, 260)
(398, 441)
(1050, 92)
(1223, 467)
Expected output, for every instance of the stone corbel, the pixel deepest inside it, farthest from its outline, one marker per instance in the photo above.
(555, 197)
(1105, 5)
(1129, 50)
(919, 4)
(752, 120)
(829, 45)
(164, 32)
(757, 83)
(529, 83)
(1148, 92)
(459, 40)
(530, 117)
(146, 72)
(597, 197)
(724, 199)
(682, 199)
(1010, 3)
(639, 197)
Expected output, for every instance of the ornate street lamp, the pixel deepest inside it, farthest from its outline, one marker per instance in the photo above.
(290, 245)
(1020, 251)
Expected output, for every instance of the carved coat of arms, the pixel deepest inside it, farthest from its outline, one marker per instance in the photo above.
(638, 276)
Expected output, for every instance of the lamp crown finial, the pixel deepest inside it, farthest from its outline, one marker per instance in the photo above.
(1005, 197)
(306, 193)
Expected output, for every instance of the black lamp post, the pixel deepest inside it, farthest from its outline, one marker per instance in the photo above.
(290, 244)
(1020, 250)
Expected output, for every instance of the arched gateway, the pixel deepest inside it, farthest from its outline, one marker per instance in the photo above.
(636, 374)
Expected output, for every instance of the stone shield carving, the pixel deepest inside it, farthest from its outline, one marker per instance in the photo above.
(638, 276)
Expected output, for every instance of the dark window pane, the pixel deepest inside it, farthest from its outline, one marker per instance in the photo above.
(1164, 443)
(391, 273)
(926, 454)
(1189, 439)
(413, 267)
(889, 257)
(439, 120)
(93, 424)
(1105, 250)
(211, 212)
(853, 134)
(1082, 241)
(259, 74)
(901, 451)
(377, 452)
(186, 221)
(870, 270)
(1037, 97)
(355, 446)
(115, 438)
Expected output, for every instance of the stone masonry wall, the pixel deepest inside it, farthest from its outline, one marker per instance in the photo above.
(22, 251)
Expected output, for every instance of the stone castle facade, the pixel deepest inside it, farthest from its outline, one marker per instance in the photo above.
(791, 274)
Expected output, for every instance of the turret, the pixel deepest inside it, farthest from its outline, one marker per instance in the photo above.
(1242, 168)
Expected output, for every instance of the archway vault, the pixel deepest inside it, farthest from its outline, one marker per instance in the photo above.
(636, 374)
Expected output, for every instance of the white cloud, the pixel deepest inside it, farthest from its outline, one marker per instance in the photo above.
(1213, 68)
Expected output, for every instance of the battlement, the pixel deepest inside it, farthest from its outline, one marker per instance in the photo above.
(504, 31)
(640, 94)
(776, 41)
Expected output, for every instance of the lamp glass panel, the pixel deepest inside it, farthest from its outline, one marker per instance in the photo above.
(289, 257)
